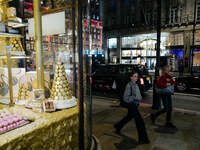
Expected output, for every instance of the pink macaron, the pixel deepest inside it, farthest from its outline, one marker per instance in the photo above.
(16, 114)
(11, 126)
(14, 125)
(1, 120)
(4, 123)
(10, 121)
(11, 116)
(5, 129)
(5, 118)
(17, 123)
(20, 117)
(8, 127)
(15, 119)
(1, 125)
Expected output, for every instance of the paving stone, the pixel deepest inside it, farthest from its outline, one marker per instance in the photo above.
(170, 144)
(183, 125)
(194, 142)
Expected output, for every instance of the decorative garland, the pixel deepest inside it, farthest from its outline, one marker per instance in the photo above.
(148, 39)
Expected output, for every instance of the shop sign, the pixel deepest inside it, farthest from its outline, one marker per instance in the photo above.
(51, 24)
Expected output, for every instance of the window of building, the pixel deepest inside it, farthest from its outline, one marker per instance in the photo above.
(94, 36)
(127, 21)
(198, 11)
(174, 14)
(98, 30)
(112, 24)
(148, 17)
(181, 9)
(127, 2)
(112, 6)
(98, 36)
(93, 16)
(155, 17)
(133, 19)
(94, 30)
(97, 17)
(112, 43)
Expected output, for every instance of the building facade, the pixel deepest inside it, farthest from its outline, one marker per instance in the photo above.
(130, 35)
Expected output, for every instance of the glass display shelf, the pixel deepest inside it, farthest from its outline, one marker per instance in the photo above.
(16, 24)
(3, 34)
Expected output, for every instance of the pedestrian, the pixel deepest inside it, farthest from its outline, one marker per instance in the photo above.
(165, 80)
(181, 69)
(132, 98)
(121, 81)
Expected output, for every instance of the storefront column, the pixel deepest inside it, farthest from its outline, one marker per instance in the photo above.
(186, 55)
(38, 44)
(119, 51)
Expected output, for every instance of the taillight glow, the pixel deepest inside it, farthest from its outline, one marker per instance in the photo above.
(141, 81)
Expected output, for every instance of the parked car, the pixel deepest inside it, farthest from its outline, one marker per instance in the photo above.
(186, 82)
(104, 76)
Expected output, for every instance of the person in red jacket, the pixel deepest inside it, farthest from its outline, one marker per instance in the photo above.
(164, 81)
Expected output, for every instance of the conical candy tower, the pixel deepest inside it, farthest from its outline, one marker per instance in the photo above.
(16, 43)
(60, 88)
(23, 92)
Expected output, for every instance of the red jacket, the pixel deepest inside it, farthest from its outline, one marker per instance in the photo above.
(162, 81)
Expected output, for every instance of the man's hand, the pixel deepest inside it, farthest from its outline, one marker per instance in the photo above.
(168, 84)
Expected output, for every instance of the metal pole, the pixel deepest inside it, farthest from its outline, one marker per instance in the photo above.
(38, 44)
(155, 96)
(80, 78)
(73, 50)
(191, 69)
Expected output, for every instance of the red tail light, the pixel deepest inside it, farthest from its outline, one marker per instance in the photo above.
(141, 81)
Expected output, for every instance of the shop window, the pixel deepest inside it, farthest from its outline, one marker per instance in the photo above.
(198, 11)
(112, 43)
(174, 14)
(127, 2)
(148, 17)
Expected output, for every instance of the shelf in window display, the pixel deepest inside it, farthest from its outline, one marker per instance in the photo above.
(4, 34)
(133, 48)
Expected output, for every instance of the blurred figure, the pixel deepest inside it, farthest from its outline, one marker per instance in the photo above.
(132, 98)
(164, 81)
(181, 69)
(121, 81)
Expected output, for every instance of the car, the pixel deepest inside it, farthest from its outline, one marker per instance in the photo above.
(105, 75)
(184, 83)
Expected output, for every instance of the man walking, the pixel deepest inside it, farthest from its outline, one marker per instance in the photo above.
(181, 69)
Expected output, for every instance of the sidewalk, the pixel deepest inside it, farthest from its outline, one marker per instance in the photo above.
(105, 114)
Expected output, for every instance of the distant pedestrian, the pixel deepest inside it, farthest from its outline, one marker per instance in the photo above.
(121, 81)
(164, 81)
(181, 69)
(132, 97)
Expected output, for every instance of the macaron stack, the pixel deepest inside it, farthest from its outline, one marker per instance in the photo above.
(23, 92)
(16, 43)
(9, 121)
(60, 88)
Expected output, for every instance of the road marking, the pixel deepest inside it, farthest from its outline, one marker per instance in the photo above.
(114, 99)
(182, 94)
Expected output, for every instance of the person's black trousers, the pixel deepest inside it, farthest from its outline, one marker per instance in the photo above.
(134, 113)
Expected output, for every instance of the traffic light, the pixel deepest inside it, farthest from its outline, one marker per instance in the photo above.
(186, 62)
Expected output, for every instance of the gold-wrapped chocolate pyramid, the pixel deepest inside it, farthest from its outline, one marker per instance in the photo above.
(16, 43)
(23, 92)
(60, 87)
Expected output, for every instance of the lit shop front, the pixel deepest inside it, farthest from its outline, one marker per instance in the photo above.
(43, 105)
(141, 49)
